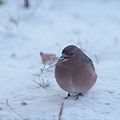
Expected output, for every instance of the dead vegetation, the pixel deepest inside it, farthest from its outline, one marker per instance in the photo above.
(41, 81)
(9, 106)
(48, 58)
(40, 78)
(96, 58)
(61, 111)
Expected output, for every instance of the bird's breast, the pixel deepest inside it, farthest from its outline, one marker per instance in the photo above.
(64, 77)
(75, 78)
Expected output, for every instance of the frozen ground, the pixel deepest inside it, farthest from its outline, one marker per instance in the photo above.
(49, 27)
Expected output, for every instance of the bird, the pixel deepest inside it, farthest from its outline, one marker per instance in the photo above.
(75, 72)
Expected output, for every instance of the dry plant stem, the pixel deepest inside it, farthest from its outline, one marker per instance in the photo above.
(7, 104)
(51, 66)
(61, 111)
(43, 84)
(5, 27)
(42, 70)
(96, 59)
(12, 19)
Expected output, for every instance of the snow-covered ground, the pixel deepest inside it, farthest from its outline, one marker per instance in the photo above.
(49, 26)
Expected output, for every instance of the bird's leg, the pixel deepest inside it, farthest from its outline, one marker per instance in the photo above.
(68, 95)
(77, 95)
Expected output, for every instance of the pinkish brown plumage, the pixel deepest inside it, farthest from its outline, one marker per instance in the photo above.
(75, 72)
(48, 58)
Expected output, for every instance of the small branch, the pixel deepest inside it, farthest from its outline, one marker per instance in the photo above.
(42, 84)
(7, 104)
(45, 85)
(42, 70)
(12, 19)
(51, 66)
(61, 111)
(96, 57)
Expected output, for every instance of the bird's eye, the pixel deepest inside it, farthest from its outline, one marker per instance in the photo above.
(71, 53)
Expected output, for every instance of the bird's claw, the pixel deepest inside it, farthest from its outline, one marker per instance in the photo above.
(78, 95)
(68, 96)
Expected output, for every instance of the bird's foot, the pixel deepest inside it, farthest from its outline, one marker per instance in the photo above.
(68, 95)
(78, 95)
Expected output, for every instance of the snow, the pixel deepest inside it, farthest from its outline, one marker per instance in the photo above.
(49, 27)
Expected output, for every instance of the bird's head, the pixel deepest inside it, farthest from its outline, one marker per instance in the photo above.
(70, 53)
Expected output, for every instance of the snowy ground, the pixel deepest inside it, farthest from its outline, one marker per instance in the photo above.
(49, 27)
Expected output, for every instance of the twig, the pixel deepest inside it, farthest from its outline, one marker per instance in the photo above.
(7, 104)
(12, 19)
(43, 84)
(42, 70)
(51, 66)
(5, 27)
(61, 111)
(96, 59)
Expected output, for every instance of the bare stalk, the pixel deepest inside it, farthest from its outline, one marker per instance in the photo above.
(8, 105)
(96, 57)
(61, 111)
(44, 83)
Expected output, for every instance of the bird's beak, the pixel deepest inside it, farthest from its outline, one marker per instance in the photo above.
(64, 57)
